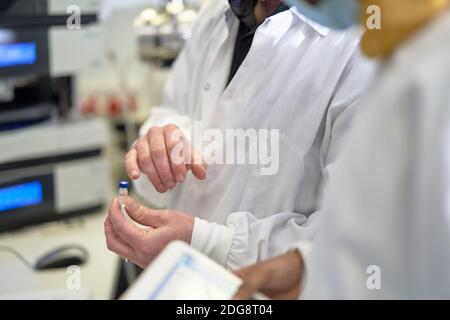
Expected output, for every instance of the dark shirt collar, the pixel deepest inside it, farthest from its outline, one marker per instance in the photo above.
(243, 9)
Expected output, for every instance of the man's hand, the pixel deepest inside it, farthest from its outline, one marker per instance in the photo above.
(142, 246)
(278, 278)
(164, 156)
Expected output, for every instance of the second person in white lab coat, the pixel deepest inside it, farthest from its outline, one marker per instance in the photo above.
(386, 230)
(298, 77)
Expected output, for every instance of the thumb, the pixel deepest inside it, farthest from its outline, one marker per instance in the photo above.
(254, 279)
(142, 214)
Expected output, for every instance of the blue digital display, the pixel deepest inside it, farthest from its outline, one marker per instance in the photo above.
(20, 196)
(16, 54)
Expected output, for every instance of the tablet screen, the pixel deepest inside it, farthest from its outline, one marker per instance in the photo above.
(189, 279)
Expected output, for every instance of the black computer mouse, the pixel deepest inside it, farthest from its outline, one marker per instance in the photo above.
(62, 257)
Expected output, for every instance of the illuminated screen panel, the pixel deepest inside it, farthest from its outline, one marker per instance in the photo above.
(21, 196)
(17, 54)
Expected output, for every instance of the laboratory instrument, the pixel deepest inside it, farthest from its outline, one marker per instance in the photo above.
(162, 30)
(51, 172)
(51, 166)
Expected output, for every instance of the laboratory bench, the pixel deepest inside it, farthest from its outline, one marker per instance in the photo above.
(98, 275)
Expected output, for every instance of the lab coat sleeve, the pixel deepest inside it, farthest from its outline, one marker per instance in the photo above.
(247, 240)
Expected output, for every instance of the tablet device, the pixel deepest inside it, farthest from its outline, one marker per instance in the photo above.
(182, 273)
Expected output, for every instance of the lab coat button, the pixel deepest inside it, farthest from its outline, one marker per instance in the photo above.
(207, 86)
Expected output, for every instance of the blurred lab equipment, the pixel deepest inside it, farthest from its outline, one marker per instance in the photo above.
(54, 168)
(59, 90)
(52, 172)
(162, 30)
(39, 60)
(56, 163)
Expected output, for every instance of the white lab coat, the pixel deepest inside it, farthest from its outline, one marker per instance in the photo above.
(387, 207)
(298, 77)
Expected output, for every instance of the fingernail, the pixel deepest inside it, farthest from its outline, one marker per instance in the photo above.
(134, 174)
(180, 177)
(161, 188)
(171, 185)
(203, 169)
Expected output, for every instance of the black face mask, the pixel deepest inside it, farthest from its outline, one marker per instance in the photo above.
(5, 4)
(243, 9)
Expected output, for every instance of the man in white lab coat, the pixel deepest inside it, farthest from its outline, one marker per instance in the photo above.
(386, 231)
(297, 77)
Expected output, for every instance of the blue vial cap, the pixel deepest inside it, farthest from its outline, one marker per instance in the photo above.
(123, 184)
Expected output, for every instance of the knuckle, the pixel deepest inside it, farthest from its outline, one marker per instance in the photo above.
(138, 145)
(175, 137)
(156, 182)
(143, 249)
(165, 173)
(158, 151)
(153, 131)
(170, 127)
(146, 162)
(163, 216)
(109, 244)
(158, 188)
(179, 169)
(139, 150)
(140, 213)
(172, 142)
(177, 161)
(118, 229)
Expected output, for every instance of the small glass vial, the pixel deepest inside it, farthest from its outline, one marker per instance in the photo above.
(123, 193)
